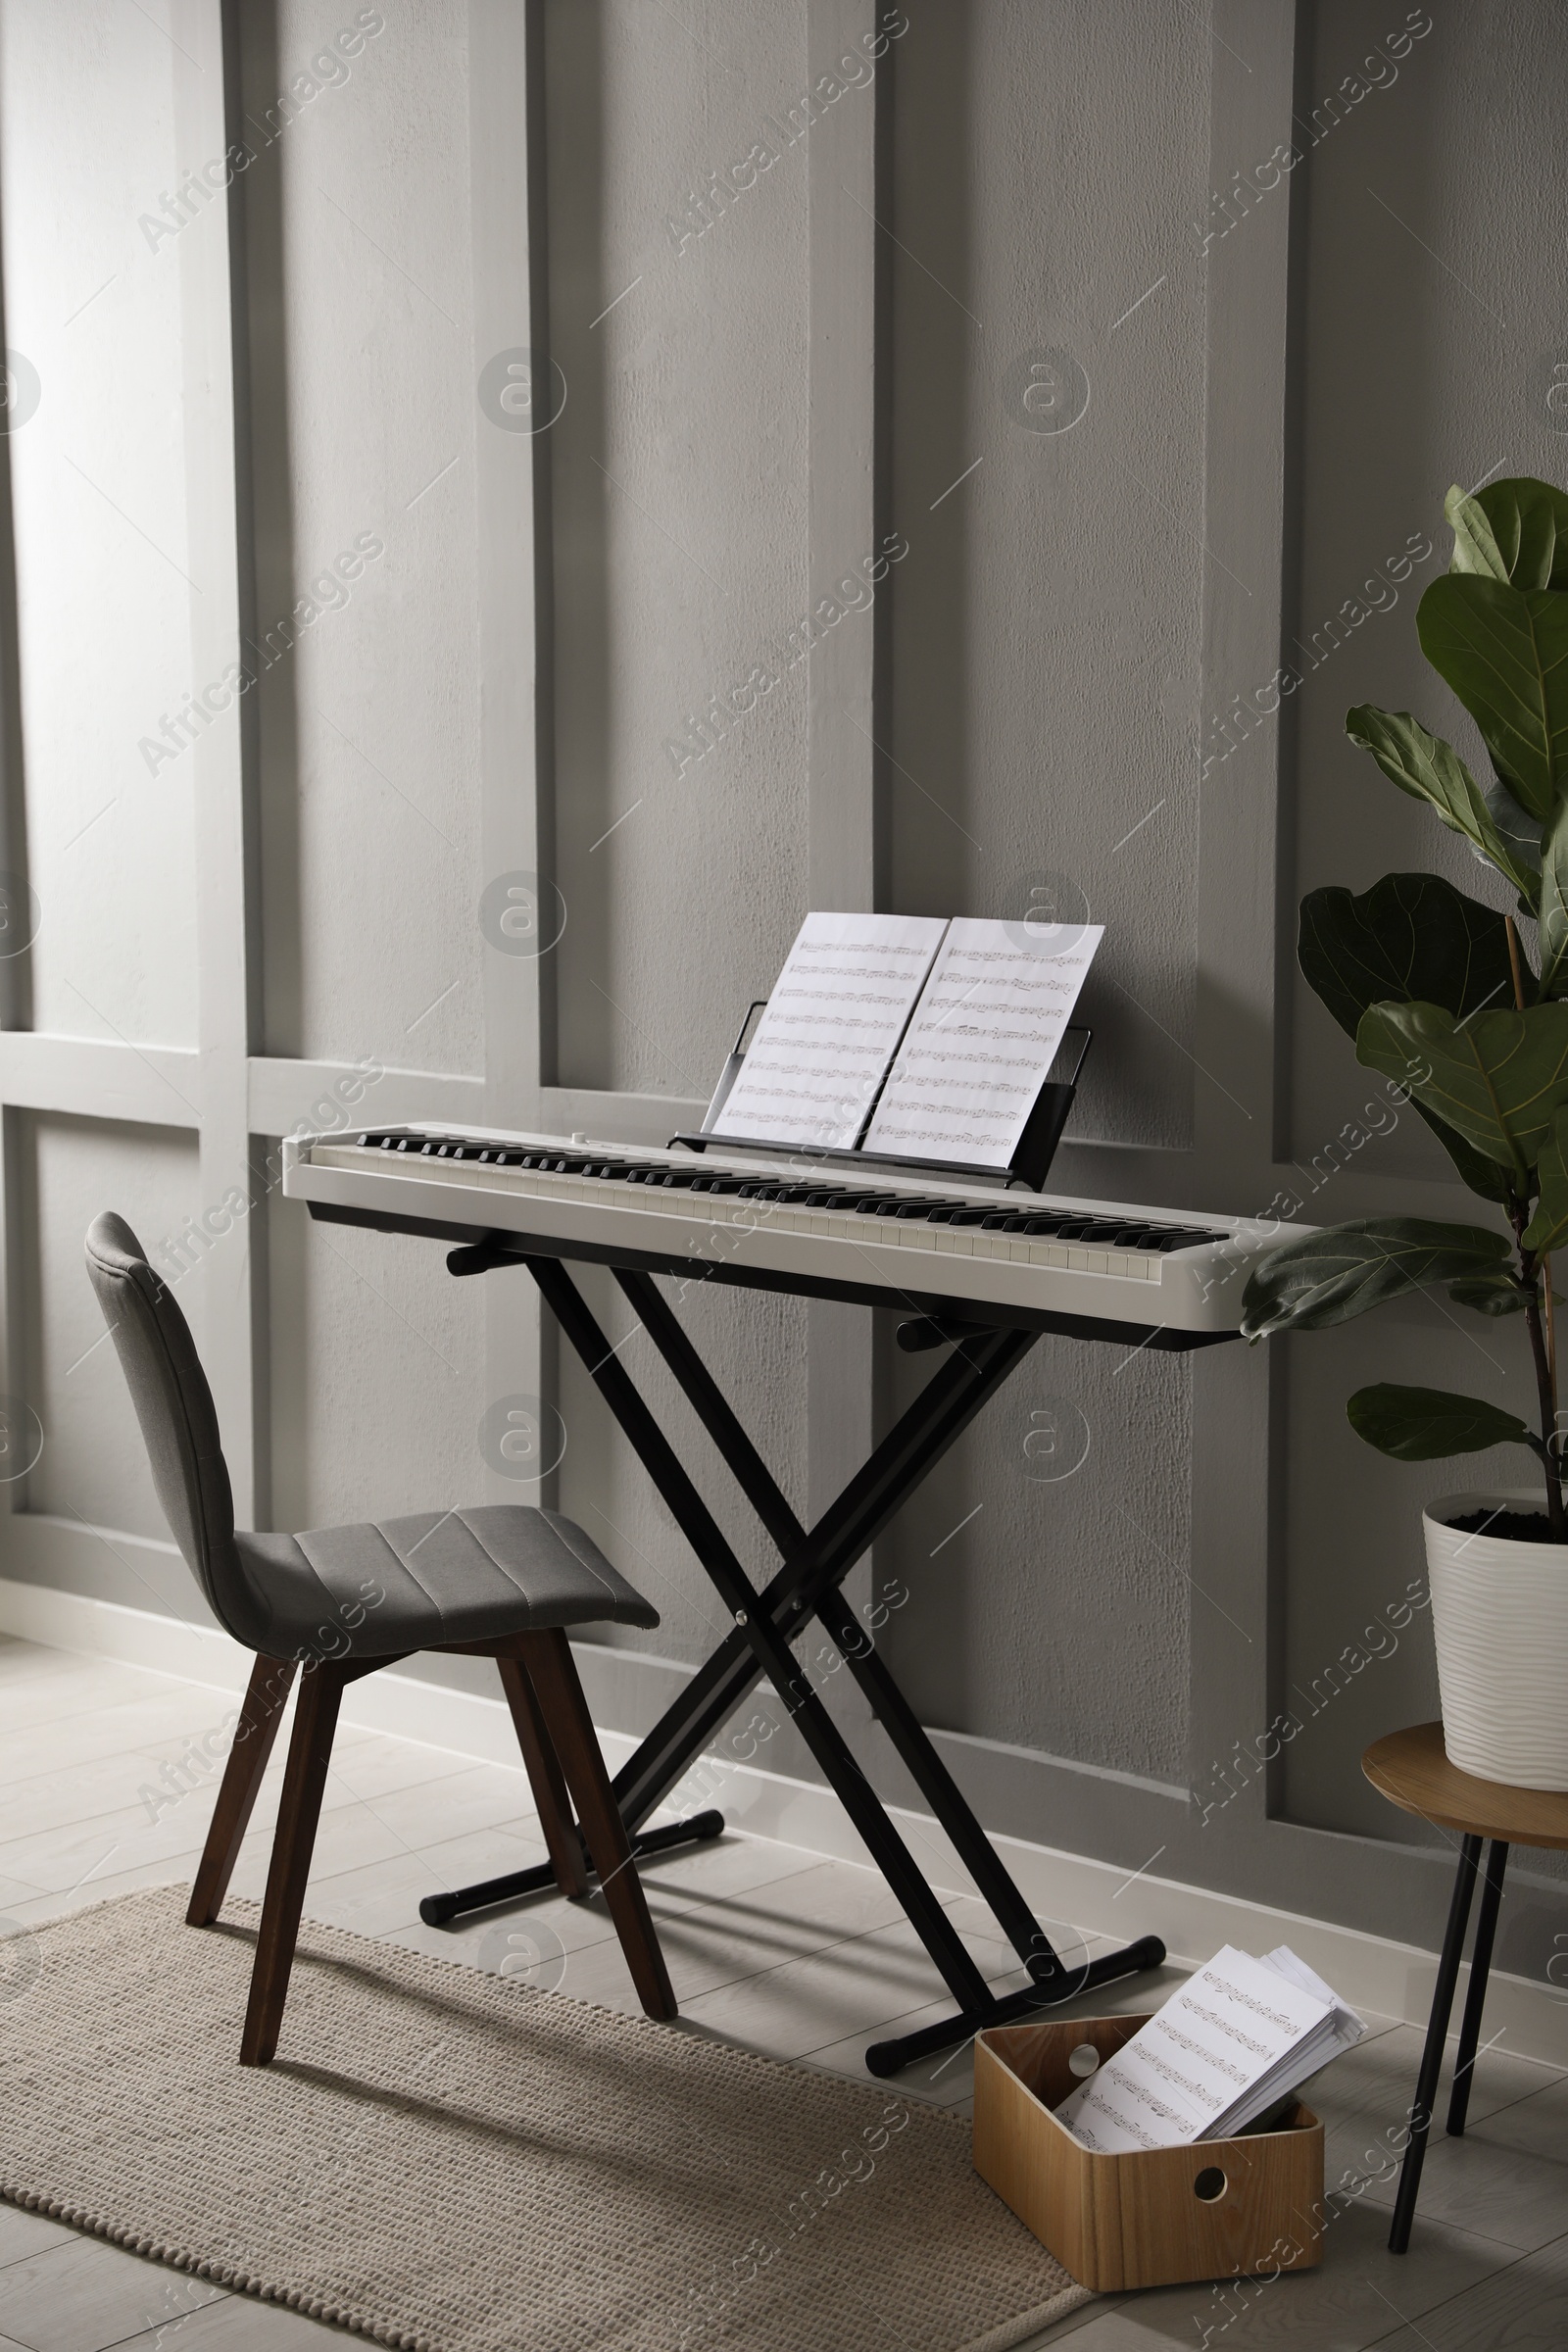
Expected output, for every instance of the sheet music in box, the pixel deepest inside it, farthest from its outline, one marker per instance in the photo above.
(837, 1012)
(982, 1039)
(1226, 2046)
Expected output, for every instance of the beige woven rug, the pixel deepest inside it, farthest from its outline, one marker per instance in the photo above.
(452, 2162)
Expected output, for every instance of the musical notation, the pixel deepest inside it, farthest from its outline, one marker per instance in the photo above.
(991, 986)
(842, 1000)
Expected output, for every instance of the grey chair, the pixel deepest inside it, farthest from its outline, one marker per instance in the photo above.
(502, 1581)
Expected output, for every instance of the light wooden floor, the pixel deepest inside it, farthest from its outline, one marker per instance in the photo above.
(775, 1948)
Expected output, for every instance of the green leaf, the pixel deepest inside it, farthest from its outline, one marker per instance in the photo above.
(1475, 546)
(1412, 938)
(1498, 1077)
(1474, 1170)
(1423, 1425)
(1415, 937)
(1527, 522)
(1548, 1229)
(1504, 652)
(1432, 770)
(1489, 1294)
(1327, 1276)
(1552, 918)
(1519, 830)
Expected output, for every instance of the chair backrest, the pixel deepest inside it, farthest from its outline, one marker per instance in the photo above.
(173, 1404)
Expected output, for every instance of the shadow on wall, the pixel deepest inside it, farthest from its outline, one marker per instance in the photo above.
(930, 430)
(576, 44)
(272, 504)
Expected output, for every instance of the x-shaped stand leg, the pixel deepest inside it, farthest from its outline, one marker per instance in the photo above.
(806, 1586)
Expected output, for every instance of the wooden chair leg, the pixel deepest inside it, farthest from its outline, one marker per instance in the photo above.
(548, 1659)
(262, 1711)
(304, 1785)
(549, 1795)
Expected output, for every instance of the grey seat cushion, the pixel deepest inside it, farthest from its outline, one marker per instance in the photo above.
(423, 1582)
(370, 1591)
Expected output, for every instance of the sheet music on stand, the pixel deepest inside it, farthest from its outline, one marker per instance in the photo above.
(910, 1036)
(982, 1039)
(837, 1012)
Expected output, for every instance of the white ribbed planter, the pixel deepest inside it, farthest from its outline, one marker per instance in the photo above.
(1499, 1616)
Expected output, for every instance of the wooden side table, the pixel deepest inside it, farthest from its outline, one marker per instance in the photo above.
(1411, 1770)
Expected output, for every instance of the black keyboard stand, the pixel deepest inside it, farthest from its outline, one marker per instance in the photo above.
(805, 1586)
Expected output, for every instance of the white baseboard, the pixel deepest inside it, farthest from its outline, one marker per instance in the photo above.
(1072, 1894)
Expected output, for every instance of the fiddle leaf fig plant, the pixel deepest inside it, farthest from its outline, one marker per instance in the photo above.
(1441, 995)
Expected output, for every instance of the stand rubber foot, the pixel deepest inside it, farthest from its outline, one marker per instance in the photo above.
(885, 2058)
(439, 1910)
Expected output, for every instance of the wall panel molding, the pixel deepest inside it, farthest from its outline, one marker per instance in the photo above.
(230, 1284)
(1235, 1539)
(285, 1096)
(517, 727)
(101, 1078)
(848, 845)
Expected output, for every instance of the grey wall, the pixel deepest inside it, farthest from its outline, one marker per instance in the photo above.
(1269, 379)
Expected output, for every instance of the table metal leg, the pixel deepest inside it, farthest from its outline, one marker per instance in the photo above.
(770, 1647)
(879, 1488)
(919, 1439)
(1464, 2065)
(814, 1565)
(853, 1639)
(1425, 2090)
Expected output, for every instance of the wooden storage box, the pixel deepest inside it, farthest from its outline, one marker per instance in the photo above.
(1159, 2217)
